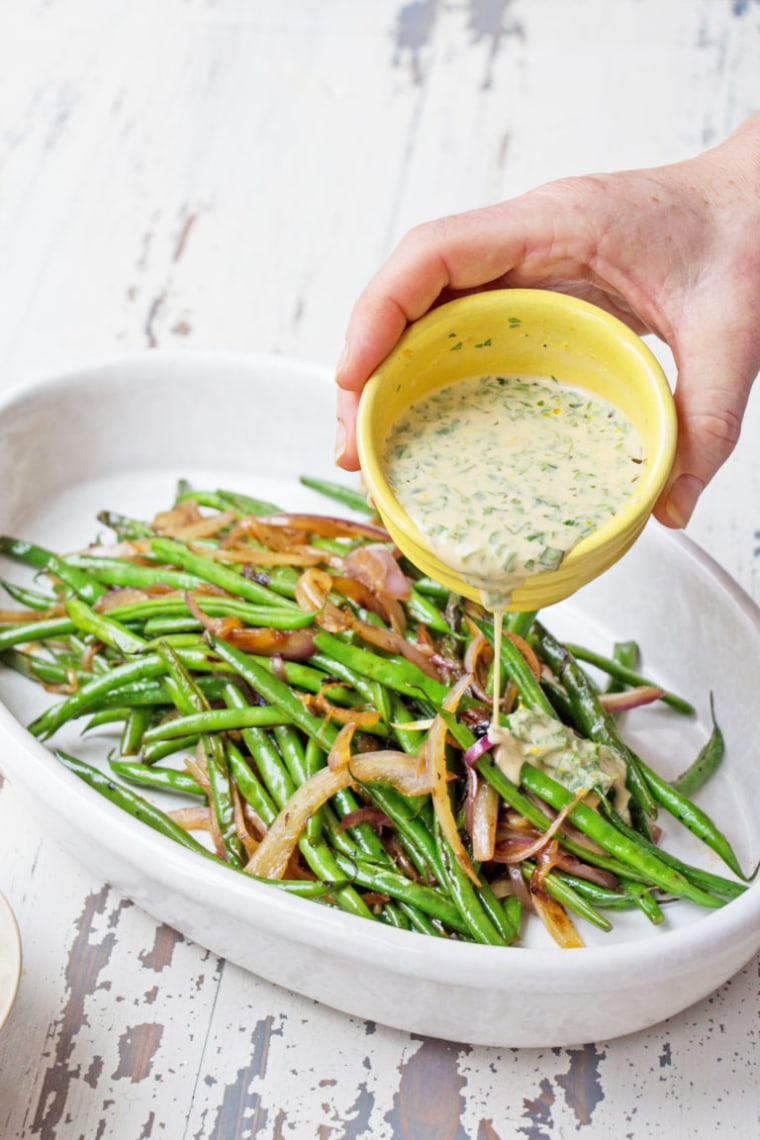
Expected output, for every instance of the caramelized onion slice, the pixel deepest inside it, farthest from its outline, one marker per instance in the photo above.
(376, 566)
(326, 526)
(556, 920)
(434, 750)
(403, 772)
(633, 698)
(485, 811)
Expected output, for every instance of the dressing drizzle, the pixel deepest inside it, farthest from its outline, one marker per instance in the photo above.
(505, 474)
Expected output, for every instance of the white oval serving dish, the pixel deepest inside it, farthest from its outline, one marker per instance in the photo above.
(119, 434)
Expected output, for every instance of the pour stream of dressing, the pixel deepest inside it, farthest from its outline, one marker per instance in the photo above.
(504, 475)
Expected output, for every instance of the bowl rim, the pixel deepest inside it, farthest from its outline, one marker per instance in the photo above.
(624, 526)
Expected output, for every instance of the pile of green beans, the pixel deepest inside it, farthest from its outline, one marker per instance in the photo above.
(133, 636)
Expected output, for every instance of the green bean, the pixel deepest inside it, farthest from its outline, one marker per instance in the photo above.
(143, 693)
(406, 815)
(214, 572)
(81, 650)
(33, 555)
(517, 668)
(162, 779)
(707, 880)
(408, 739)
(135, 805)
(590, 717)
(402, 676)
(425, 584)
(561, 890)
(123, 527)
(423, 923)
(137, 721)
(217, 766)
(30, 632)
(630, 676)
(516, 799)
(496, 912)
(354, 500)
(28, 598)
(213, 499)
(36, 668)
(520, 622)
(215, 720)
(105, 629)
(302, 676)
(120, 572)
(692, 817)
(275, 691)
(605, 897)
(596, 828)
(365, 839)
(90, 693)
(247, 504)
(116, 715)
(324, 865)
(627, 654)
(282, 580)
(143, 810)
(276, 788)
(249, 786)
(215, 605)
(396, 916)
(271, 768)
(645, 901)
(152, 753)
(419, 607)
(707, 762)
(513, 912)
(314, 757)
(372, 691)
(294, 753)
(463, 892)
(428, 899)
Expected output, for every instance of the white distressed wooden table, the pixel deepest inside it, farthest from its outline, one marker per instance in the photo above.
(227, 174)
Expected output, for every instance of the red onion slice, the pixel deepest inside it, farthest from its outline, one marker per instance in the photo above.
(482, 745)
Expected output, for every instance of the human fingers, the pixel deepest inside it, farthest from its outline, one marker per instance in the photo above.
(453, 255)
(346, 454)
(459, 253)
(716, 371)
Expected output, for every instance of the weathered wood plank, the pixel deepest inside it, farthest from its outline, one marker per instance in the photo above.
(228, 175)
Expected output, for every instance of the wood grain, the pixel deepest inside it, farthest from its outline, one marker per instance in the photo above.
(227, 175)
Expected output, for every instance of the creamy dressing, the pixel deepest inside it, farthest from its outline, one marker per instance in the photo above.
(504, 475)
(577, 764)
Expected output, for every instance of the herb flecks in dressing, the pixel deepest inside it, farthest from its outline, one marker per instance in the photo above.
(504, 475)
(579, 765)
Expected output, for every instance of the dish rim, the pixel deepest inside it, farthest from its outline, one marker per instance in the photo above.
(9, 928)
(347, 936)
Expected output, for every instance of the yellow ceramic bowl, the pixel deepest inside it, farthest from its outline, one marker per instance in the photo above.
(528, 332)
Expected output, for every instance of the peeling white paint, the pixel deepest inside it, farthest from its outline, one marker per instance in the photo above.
(228, 175)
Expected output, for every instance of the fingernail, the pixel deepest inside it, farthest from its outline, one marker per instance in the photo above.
(340, 441)
(683, 499)
(342, 359)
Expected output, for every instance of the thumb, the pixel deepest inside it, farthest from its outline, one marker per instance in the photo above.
(716, 371)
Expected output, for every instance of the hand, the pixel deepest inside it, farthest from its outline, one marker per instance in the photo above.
(673, 250)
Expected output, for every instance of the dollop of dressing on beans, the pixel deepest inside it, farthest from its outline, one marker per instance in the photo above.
(505, 474)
